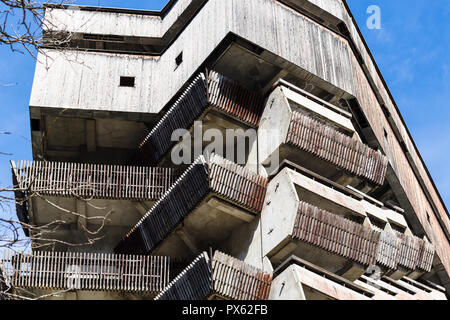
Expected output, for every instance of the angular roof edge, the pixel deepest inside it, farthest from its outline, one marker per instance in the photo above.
(157, 13)
(347, 7)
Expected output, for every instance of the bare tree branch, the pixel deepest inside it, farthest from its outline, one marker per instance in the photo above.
(23, 24)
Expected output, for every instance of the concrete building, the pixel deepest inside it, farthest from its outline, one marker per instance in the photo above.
(329, 199)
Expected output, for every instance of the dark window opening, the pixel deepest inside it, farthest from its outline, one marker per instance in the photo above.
(179, 59)
(380, 224)
(354, 218)
(385, 133)
(35, 125)
(398, 228)
(101, 37)
(127, 81)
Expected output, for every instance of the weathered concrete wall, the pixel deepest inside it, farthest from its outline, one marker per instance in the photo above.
(115, 23)
(274, 125)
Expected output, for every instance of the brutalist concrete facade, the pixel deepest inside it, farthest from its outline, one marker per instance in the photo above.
(330, 198)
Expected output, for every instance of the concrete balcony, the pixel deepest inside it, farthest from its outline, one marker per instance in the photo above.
(300, 127)
(218, 278)
(297, 279)
(329, 226)
(77, 193)
(404, 255)
(87, 136)
(387, 288)
(210, 200)
(86, 275)
(218, 102)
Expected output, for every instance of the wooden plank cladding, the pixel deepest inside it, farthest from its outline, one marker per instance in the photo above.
(86, 271)
(206, 91)
(361, 244)
(214, 175)
(222, 277)
(341, 150)
(336, 234)
(92, 180)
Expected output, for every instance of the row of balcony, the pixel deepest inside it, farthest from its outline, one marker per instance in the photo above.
(298, 279)
(207, 92)
(86, 271)
(218, 277)
(91, 180)
(50, 191)
(213, 197)
(313, 212)
(331, 227)
(292, 123)
(358, 243)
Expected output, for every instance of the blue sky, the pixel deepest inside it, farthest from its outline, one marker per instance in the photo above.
(411, 50)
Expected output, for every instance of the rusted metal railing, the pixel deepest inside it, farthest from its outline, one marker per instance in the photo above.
(388, 247)
(336, 234)
(86, 271)
(213, 176)
(221, 277)
(396, 249)
(92, 180)
(333, 146)
(236, 280)
(361, 244)
(206, 91)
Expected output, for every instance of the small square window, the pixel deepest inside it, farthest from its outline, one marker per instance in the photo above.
(127, 81)
(179, 59)
(35, 125)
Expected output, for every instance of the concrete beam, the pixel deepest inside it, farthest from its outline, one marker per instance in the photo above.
(91, 139)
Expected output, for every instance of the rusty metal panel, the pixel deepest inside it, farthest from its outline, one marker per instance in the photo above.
(331, 145)
(359, 243)
(193, 283)
(222, 276)
(415, 253)
(233, 182)
(227, 95)
(426, 256)
(92, 180)
(86, 271)
(205, 91)
(388, 250)
(409, 252)
(335, 234)
(213, 175)
(236, 280)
